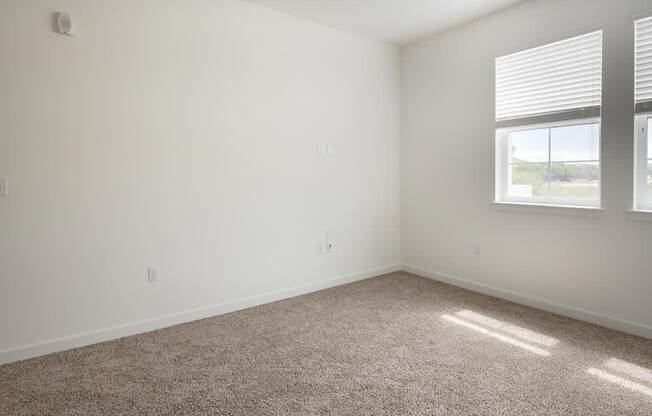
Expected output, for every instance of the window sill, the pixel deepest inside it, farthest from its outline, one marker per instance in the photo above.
(577, 211)
(640, 215)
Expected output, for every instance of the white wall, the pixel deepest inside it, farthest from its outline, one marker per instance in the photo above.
(183, 135)
(595, 268)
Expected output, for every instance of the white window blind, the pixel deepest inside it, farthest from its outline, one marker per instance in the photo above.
(555, 82)
(643, 70)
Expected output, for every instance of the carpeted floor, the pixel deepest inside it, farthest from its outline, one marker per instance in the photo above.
(393, 345)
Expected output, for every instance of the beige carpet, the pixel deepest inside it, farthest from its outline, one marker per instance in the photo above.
(393, 345)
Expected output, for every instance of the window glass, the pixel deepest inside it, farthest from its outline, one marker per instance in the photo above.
(580, 143)
(528, 180)
(649, 161)
(575, 181)
(649, 181)
(559, 164)
(574, 167)
(649, 139)
(529, 146)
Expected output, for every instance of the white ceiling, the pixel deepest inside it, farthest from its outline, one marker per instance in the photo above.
(394, 21)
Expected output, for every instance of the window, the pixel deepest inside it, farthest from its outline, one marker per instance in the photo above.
(557, 163)
(643, 163)
(643, 94)
(548, 103)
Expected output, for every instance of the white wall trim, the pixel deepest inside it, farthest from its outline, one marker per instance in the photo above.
(522, 207)
(107, 334)
(568, 311)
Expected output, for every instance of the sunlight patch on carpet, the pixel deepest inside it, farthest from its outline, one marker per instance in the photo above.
(634, 371)
(495, 335)
(515, 330)
(623, 382)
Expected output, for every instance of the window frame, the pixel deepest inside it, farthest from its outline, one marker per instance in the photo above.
(503, 157)
(641, 161)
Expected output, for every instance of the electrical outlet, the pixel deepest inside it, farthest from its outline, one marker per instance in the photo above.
(152, 275)
(330, 244)
(3, 186)
(476, 249)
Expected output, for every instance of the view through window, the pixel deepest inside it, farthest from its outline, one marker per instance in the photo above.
(555, 163)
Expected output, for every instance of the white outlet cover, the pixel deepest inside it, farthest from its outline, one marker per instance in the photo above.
(63, 24)
(330, 241)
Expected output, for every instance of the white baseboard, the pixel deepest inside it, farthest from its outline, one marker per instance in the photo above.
(575, 313)
(107, 334)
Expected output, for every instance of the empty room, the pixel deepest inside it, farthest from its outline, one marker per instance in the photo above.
(325, 207)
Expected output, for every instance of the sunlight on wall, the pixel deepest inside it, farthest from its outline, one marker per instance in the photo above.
(520, 332)
(634, 371)
(496, 335)
(620, 381)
